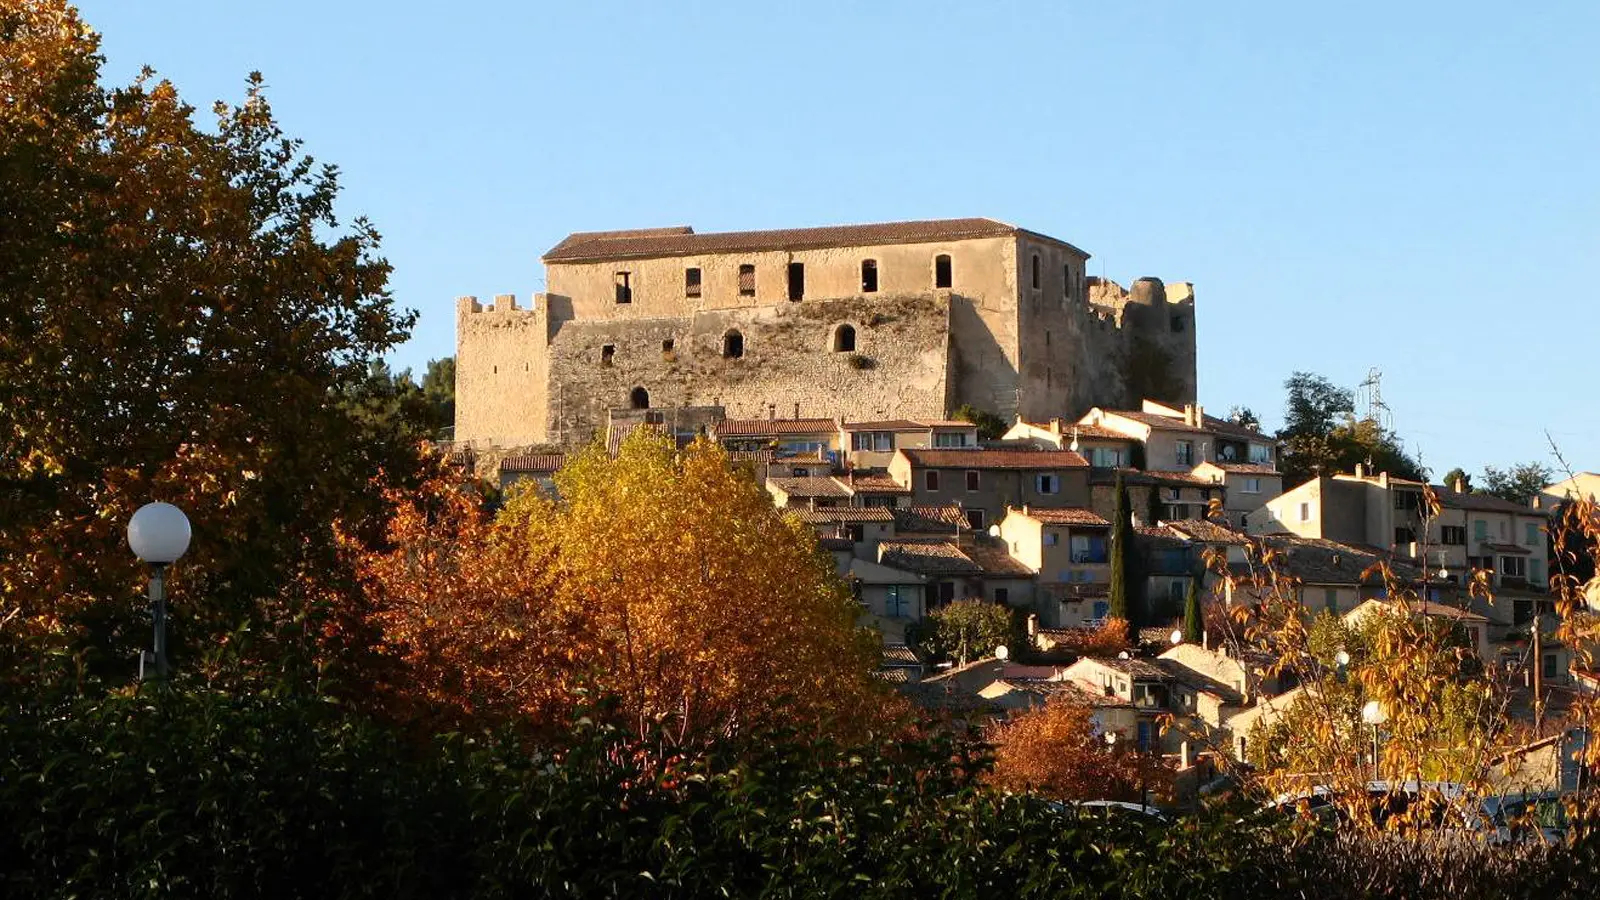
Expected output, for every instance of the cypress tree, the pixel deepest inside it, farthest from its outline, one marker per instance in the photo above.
(1192, 622)
(1121, 551)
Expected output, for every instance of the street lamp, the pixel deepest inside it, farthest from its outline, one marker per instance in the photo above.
(1372, 713)
(158, 534)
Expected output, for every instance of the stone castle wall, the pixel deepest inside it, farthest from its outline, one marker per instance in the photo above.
(899, 368)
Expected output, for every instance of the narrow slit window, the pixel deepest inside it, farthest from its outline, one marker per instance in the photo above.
(1036, 271)
(1066, 282)
(941, 271)
(747, 280)
(624, 287)
(797, 281)
(869, 276)
(691, 282)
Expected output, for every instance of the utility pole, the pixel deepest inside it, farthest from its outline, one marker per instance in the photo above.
(1538, 674)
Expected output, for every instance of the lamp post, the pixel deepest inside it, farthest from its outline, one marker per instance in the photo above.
(158, 534)
(1372, 713)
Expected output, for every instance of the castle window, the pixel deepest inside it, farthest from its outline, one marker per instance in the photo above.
(1177, 323)
(1066, 282)
(941, 271)
(1049, 378)
(666, 346)
(1036, 271)
(869, 276)
(732, 345)
(747, 280)
(844, 339)
(639, 398)
(797, 280)
(691, 282)
(624, 287)
(606, 353)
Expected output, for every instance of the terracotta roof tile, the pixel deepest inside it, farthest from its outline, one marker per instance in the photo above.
(533, 462)
(1207, 532)
(927, 558)
(618, 432)
(995, 561)
(1484, 503)
(996, 459)
(930, 519)
(1247, 468)
(772, 427)
(682, 241)
(874, 483)
(1136, 476)
(814, 486)
(1090, 430)
(829, 514)
(1073, 515)
(888, 425)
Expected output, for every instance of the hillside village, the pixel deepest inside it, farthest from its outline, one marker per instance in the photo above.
(919, 512)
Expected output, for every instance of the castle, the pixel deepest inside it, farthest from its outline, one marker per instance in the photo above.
(900, 320)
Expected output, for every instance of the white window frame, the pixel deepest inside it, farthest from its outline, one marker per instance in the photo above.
(1047, 483)
(1251, 486)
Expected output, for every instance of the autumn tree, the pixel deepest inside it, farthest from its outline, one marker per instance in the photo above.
(180, 308)
(663, 580)
(1059, 752)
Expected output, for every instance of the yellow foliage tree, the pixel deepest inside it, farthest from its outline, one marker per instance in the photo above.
(662, 580)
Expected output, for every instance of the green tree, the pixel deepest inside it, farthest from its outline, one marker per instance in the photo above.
(990, 426)
(1127, 579)
(439, 388)
(1455, 475)
(180, 310)
(965, 630)
(1519, 483)
(1193, 618)
(1322, 435)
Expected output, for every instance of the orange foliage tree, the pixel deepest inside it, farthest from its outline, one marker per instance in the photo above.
(1057, 751)
(662, 580)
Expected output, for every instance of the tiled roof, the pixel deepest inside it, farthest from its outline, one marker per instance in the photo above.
(889, 425)
(1508, 548)
(1138, 668)
(1072, 515)
(533, 462)
(1484, 503)
(836, 543)
(1322, 561)
(813, 486)
(951, 423)
(1445, 610)
(874, 483)
(1089, 430)
(927, 558)
(1156, 421)
(828, 514)
(1235, 430)
(997, 562)
(1199, 681)
(1135, 476)
(682, 241)
(996, 459)
(899, 654)
(772, 427)
(1207, 532)
(937, 519)
(1246, 468)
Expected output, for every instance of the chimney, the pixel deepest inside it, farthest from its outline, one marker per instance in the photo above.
(1361, 470)
(1033, 625)
(797, 409)
(1188, 414)
(1459, 485)
(772, 411)
(1055, 425)
(1199, 415)
(1383, 480)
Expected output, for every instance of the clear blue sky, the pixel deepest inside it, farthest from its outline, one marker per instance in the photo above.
(1409, 186)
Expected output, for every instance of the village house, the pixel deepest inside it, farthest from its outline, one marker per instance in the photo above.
(1177, 440)
(1068, 550)
(1103, 447)
(873, 444)
(539, 468)
(985, 482)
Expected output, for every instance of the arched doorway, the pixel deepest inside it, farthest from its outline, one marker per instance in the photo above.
(639, 398)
